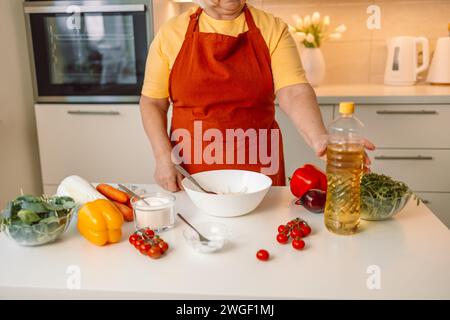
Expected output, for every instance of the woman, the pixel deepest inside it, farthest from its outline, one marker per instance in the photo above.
(221, 65)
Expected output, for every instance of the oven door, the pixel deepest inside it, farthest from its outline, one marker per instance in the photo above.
(88, 51)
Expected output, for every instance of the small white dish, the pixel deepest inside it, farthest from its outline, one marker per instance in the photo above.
(217, 233)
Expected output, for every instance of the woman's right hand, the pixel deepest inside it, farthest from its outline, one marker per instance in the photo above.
(167, 176)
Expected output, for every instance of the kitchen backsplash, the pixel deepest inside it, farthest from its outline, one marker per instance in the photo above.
(360, 56)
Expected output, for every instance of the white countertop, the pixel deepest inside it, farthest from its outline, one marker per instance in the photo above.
(411, 252)
(375, 93)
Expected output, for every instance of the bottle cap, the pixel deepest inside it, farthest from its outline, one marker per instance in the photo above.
(346, 107)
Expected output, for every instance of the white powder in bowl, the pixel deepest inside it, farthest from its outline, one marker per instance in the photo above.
(156, 213)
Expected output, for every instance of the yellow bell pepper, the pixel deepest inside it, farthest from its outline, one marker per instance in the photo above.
(100, 222)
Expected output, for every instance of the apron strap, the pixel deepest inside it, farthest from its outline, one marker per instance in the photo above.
(193, 23)
(249, 19)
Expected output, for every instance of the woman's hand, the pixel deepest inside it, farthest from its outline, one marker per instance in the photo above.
(320, 147)
(167, 176)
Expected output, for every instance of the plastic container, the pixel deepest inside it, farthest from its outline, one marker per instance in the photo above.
(345, 164)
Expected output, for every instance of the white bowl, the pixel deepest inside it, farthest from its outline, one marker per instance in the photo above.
(240, 191)
(217, 233)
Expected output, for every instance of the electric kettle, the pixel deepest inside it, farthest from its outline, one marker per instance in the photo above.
(401, 65)
(439, 72)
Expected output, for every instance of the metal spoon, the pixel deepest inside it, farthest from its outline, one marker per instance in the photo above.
(131, 193)
(186, 174)
(202, 238)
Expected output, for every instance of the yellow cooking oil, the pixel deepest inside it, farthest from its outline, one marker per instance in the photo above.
(345, 164)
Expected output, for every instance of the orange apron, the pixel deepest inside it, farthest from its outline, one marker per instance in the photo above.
(220, 82)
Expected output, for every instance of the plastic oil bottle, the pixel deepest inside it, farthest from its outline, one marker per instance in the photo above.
(345, 163)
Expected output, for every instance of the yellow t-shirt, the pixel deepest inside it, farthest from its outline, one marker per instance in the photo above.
(286, 65)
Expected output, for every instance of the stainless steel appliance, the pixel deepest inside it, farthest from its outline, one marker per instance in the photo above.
(88, 51)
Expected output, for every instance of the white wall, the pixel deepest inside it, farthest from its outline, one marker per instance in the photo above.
(19, 159)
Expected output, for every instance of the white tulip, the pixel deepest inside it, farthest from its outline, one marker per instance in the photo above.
(306, 21)
(342, 28)
(315, 19)
(298, 21)
(300, 36)
(309, 38)
(335, 36)
(292, 29)
(326, 21)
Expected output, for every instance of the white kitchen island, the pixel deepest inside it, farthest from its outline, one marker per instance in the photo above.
(405, 257)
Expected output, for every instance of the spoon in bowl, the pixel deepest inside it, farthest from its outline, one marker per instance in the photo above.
(187, 175)
(202, 238)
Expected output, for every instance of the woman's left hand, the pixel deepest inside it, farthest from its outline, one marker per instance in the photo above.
(320, 147)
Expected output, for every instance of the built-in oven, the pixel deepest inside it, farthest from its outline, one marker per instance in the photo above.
(88, 51)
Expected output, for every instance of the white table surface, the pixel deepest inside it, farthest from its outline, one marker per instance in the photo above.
(412, 252)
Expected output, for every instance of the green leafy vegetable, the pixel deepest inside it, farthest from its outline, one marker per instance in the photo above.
(382, 196)
(34, 220)
(380, 186)
(28, 216)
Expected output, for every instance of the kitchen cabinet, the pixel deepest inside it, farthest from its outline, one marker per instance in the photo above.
(97, 142)
(421, 169)
(439, 204)
(406, 126)
(296, 151)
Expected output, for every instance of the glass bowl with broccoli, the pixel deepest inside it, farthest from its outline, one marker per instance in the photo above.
(382, 197)
(34, 221)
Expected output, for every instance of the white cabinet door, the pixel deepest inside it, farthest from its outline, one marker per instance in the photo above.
(406, 126)
(422, 170)
(103, 143)
(439, 203)
(296, 151)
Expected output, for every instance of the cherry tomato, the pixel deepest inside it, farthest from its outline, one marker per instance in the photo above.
(298, 244)
(262, 255)
(163, 246)
(290, 224)
(132, 239)
(154, 252)
(282, 238)
(138, 243)
(144, 248)
(282, 228)
(306, 230)
(296, 233)
(149, 232)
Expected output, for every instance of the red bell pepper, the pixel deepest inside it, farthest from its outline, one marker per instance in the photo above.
(306, 178)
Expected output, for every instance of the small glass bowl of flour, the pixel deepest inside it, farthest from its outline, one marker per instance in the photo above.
(156, 211)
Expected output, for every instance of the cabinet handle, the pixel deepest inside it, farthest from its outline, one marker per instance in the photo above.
(30, 9)
(403, 158)
(93, 113)
(418, 112)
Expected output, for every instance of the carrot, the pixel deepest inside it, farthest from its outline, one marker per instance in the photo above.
(112, 193)
(127, 213)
